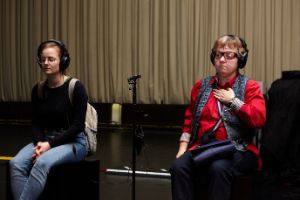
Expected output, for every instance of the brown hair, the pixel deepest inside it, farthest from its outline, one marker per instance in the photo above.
(232, 41)
(63, 52)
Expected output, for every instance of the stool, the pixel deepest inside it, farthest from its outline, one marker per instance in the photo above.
(242, 188)
(73, 181)
(5, 192)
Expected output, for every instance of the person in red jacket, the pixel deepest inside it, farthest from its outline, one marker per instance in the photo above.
(227, 105)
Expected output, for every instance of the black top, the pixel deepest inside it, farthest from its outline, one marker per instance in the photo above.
(54, 111)
(281, 135)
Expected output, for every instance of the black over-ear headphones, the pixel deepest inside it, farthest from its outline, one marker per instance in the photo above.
(242, 57)
(64, 58)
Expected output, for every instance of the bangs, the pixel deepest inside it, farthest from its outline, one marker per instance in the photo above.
(231, 42)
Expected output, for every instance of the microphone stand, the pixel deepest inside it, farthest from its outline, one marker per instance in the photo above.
(132, 86)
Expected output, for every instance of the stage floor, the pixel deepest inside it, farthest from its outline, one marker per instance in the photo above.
(115, 153)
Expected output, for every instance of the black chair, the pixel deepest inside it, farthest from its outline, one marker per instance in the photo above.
(73, 181)
(5, 192)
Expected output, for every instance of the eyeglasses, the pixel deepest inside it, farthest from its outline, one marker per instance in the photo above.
(43, 60)
(228, 55)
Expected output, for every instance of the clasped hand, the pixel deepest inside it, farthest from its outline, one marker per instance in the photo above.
(40, 148)
(225, 96)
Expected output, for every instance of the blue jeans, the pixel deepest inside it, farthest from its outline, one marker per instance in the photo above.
(28, 179)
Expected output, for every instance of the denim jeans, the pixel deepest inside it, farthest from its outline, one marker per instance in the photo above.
(28, 179)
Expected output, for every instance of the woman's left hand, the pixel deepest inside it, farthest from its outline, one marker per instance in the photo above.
(225, 96)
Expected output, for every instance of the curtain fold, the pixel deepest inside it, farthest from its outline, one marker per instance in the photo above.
(168, 42)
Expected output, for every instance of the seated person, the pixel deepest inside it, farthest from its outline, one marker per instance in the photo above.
(58, 125)
(241, 110)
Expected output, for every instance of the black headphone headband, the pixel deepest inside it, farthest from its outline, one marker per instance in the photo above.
(64, 58)
(242, 57)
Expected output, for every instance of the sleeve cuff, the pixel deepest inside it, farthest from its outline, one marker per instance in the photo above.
(236, 104)
(185, 137)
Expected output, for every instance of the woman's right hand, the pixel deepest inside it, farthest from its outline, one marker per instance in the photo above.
(40, 148)
(37, 152)
(182, 149)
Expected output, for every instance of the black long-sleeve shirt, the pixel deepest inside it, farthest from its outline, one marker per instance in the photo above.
(54, 111)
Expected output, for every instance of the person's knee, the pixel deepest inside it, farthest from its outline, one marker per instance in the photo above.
(218, 167)
(14, 164)
(182, 165)
(179, 166)
(175, 167)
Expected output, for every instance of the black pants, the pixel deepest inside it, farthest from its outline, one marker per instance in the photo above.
(218, 175)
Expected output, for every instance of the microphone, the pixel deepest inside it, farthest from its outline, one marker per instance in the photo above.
(134, 77)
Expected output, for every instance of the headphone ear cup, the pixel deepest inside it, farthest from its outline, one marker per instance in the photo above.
(64, 59)
(242, 60)
(64, 63)
(38, 61)
(212, 56)
(243, 57)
